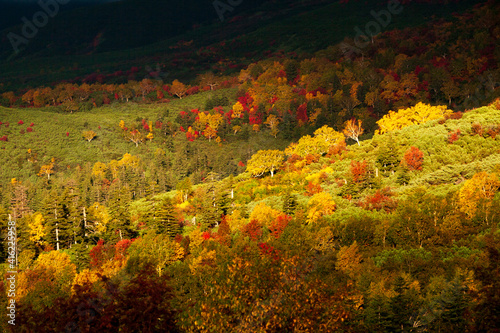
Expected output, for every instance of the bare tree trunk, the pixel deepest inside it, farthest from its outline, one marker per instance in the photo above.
(57, 230)
(85, 221)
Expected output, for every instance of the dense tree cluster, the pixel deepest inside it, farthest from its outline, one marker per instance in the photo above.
(325, 240)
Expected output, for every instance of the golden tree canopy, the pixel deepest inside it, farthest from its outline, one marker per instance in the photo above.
(480, 189)
(265, 161)
(324, 138)
(418, 114)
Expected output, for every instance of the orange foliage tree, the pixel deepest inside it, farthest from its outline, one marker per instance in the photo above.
(413, 159)
(353, 130)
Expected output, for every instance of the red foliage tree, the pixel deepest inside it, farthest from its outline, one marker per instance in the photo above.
(380, 200)
(453, 136)
(414, 158)
(206, 235)
(100, 254)
(302, 113)
(312, 189)
(269, 250)
(279, 224)
(359, 171)
(253, 230)
(121, 248)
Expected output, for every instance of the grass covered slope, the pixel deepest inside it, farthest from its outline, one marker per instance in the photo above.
(59, 136)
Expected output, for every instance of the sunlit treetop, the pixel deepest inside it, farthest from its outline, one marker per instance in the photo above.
(418, 114)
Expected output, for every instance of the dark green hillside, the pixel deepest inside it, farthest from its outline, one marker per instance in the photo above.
(64, 50)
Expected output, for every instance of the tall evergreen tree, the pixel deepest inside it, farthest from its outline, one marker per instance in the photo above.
(388, 156)
(165, 221)
(401, 308)
(289, 203)
(120, 226)
(57, 212)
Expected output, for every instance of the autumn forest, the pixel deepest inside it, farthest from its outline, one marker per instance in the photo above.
(255, 182)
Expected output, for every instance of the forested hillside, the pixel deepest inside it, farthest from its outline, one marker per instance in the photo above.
(398, 231)
(349, 188)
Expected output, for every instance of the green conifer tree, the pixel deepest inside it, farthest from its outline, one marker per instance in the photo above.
(388, 156)
(165, 221)
(289, 203)
(120, 226)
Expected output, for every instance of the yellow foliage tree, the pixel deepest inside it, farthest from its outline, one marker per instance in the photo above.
(265, 161)
(37, 230)
(89, 135)
(213, 123)
(46, 170)
(272, 121)
(178, 89)
(215, 120)
(237, 110)
(478, 191)
(99, 170)
(135, 136)
(324, 138)
(129, 161)
(236, 128)
(236, 220)
(319, 205)
(349, 259)
(57, 260)
(98, 218)
(264, 214)
(417, 114)
(52, 271)
(85, 277)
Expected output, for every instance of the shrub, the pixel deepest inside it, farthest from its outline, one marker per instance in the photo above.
(493, 131)
(477, 129)
(453, 136)
(454, 115)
